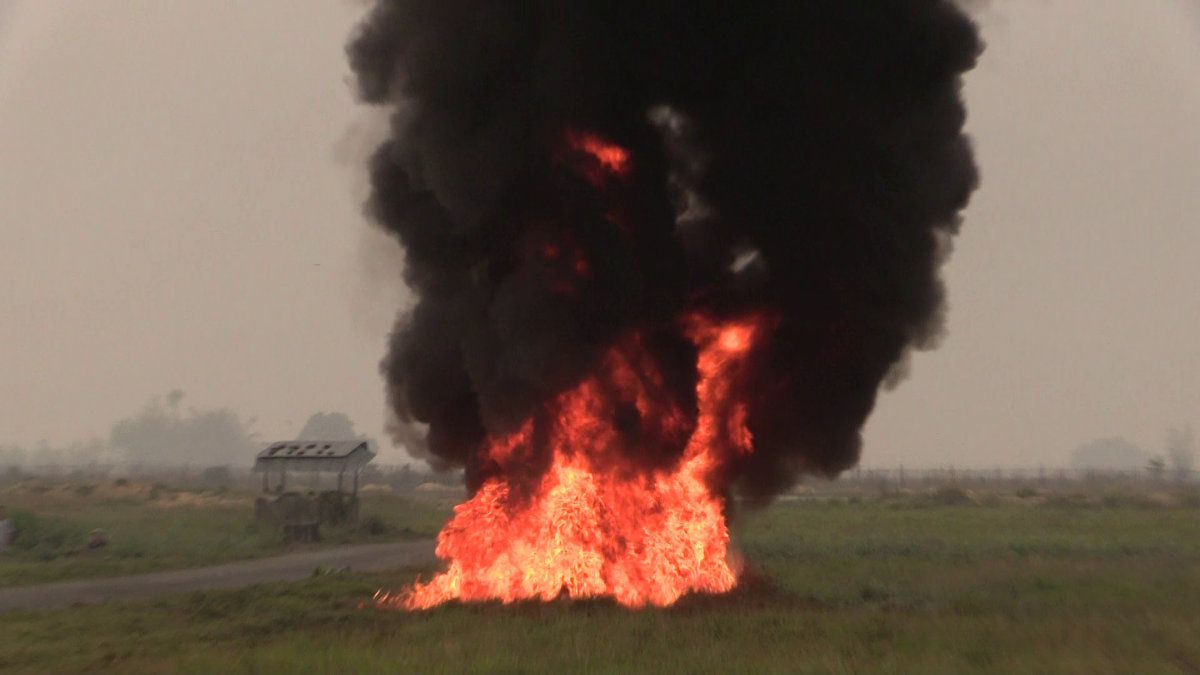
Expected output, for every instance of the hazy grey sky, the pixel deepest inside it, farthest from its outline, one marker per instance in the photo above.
(175, 212)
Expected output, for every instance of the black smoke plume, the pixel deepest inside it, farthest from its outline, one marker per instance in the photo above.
(804, 158)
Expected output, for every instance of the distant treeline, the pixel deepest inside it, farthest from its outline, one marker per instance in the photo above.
(403, 478)
(166, 433)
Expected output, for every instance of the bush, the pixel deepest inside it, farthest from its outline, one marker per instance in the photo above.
(335, 507)
(375, 526)
(1027, 492)
(45, 539)
(217, 475)
(951, 495)
(157, 491)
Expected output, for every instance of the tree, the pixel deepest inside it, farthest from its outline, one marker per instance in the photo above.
(1181, 451)
(13, 455)
(160, 435)
(1109, 454)
(1156, 466)
(334, 426)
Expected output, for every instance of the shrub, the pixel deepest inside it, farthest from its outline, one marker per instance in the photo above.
(375, 526)
(335, 507)
(1026, 492)
(157, 490)
(217, 475)
(44, 538)
(951, 495)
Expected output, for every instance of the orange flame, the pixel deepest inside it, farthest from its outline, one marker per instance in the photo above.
(590, 528)
(612, 159)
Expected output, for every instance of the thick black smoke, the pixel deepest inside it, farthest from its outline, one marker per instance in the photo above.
(803, 157)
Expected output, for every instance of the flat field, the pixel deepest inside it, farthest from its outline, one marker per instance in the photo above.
(153, 527)
(878, 585)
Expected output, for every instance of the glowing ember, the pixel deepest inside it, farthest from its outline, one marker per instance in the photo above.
(591, 527)
(612, 159)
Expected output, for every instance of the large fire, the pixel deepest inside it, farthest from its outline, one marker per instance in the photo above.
(591, 527)
(634, 237)
(593, 523)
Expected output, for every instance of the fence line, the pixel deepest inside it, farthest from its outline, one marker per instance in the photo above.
(898, 475)
(398, 476)
(1072, 474)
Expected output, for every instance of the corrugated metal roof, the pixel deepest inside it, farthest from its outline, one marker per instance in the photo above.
(314, 455)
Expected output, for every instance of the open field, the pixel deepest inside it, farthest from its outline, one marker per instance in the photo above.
(154, 527)
(272, 569)
(919, 584)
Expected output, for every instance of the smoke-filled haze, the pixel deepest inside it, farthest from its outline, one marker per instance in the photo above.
(548, 225)
(179, 207)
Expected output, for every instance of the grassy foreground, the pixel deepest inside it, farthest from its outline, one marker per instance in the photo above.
(153, 528)
(873, 586)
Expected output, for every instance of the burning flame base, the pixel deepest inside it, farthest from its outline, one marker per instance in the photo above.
(590, 527)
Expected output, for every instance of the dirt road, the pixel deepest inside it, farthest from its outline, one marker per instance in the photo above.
(366, 558)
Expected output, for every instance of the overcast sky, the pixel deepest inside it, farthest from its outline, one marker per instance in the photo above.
(177, 210)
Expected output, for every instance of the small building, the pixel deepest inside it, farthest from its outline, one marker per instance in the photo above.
(301, 514)
(308, 457)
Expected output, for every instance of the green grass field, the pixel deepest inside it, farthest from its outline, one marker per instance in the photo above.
(875, 586)
(166, 529)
